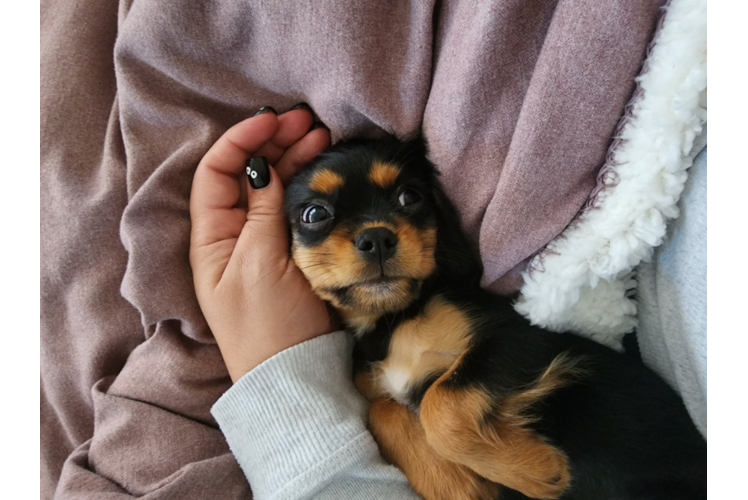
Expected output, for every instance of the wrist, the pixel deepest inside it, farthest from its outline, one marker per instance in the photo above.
(252, 352)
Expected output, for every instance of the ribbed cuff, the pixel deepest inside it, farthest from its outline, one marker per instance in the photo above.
(297, 419)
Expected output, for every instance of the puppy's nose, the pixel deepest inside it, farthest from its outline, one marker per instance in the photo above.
(376, 244)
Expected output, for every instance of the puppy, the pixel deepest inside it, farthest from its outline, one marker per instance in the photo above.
(468, 399)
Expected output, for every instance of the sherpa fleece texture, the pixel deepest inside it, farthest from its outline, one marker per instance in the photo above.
(583, 281)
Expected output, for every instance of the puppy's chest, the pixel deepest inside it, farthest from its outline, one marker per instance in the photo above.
(421, 349)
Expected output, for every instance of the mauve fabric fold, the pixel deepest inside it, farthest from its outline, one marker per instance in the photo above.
(517, 99)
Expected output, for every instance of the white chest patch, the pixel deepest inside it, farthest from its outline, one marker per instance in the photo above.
(395, 382)
(423, 347)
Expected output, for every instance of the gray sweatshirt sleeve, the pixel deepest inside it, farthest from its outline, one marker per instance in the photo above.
(297, 426)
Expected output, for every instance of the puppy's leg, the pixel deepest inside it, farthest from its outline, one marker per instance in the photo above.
(402, 441)
(462, 426)
(367, 382)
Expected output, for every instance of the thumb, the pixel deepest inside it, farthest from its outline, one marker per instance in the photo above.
(265, 229)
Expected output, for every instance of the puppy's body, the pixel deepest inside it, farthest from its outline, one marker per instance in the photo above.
(482, 397)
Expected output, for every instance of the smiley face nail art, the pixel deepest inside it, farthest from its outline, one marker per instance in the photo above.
(258, 172)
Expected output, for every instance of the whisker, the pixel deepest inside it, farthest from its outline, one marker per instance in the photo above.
(314, 265)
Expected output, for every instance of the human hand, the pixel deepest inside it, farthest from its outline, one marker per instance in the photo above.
(254, 298)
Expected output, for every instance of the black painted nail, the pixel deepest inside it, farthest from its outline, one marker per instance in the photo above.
(303, 105)
(258, 172)
(265, 109)
(317, 125)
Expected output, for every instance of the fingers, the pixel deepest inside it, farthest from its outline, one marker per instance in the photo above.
(302, 152)
(240, 142)
(220, 191)
(292, 131)
(215, 190)
(292, 126)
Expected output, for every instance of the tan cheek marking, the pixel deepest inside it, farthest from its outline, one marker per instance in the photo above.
(383, 174)
(425, 345)
(326, 181)
(332, 263)
(417, 246)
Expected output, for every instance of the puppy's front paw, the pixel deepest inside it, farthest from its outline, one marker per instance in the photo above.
(546, 477)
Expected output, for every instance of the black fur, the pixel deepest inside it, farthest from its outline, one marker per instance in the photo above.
(627, 434)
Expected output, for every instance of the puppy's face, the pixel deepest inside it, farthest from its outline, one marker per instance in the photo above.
(364, 223)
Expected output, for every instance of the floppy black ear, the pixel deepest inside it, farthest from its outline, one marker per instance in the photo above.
(413, 151)
(456, 259)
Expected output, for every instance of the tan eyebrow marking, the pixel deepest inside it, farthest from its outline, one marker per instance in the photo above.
(326, 181)
(383, 174)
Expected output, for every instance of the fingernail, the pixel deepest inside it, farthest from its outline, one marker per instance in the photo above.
(317, 125)
(265, 109)
(303, 105)
(258, 172)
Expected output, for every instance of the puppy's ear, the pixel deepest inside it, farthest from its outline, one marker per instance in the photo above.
(456, 258)
(414, 150)
(416, 144)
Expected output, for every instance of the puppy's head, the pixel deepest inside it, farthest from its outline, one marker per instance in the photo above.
(371, 224)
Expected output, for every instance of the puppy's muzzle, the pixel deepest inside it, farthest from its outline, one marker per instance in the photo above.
(376, 244)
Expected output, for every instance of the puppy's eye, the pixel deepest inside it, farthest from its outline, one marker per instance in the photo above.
(314, 213)
(409, 197)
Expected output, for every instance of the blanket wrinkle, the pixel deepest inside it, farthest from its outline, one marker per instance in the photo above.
(585, 286)
(517, 100)
(576, 148)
